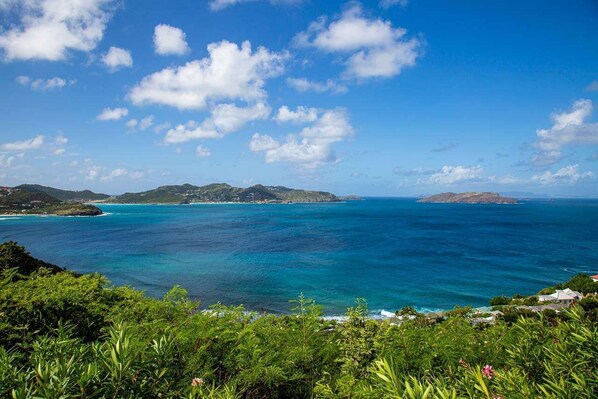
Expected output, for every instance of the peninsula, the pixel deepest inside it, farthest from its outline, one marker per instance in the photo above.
(22, 201)
(222, 192)
(468, 198)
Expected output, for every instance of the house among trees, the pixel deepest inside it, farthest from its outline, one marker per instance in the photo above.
(566, 296)
(594, 278)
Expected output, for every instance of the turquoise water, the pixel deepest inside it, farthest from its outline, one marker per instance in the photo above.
(393, 252)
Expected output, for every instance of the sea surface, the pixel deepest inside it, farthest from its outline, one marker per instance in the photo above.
(392, 252)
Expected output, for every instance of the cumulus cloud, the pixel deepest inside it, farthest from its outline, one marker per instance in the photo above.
(372, 46)
(112, 114)
(60, 140)
(169, 40)
(93, 172)
(54, 83)
(299, 115)
(217, 5)
(448, 175)
(230, 72)
(25, 145)
(50, 29)
(119, 172)
(224, 119)
(6, 160)
(146, 122)
(143, 124)
(58, 146)
(312, 147)
(303, 85)
(568, 128)
(202, 152)
(566, 175)
(116, 58)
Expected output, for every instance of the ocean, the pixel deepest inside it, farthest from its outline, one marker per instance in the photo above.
(391, 251)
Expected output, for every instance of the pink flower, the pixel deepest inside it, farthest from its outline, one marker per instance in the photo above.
(197, 382)
(488, 371)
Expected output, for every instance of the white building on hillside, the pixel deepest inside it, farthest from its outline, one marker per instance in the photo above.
(566, 296)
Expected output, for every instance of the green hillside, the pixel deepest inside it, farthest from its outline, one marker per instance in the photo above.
(15, 200)
(64, 195)
(222, 192)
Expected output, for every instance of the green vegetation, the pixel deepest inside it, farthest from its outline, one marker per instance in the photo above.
(69, 336)
(20, 201)
(221, 192)
(64, 195)
(580, 283)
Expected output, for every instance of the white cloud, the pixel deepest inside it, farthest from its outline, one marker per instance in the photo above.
(59, 151)
(593, 86)
(448, 175)
(136, 175)
(169, 40)
(304, 85)
(23, 80)
(54, 83)
(202, 152)
(217, 5)
(161, 127)
(116, 58)
(6, 160)
(146, 122)
(569, 128)
(312, 147)
(373, 46)
(229, 73)
(112, 114)
(90, 170)
(224, 119)
(31, 144)
(190, 131)
(143, 124)
(392, 3)
(60, 140)
(566, 175)
(299, 115)
(49, 29)
(119, 172)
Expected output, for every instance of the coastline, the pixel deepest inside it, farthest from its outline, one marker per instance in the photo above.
(215, 203)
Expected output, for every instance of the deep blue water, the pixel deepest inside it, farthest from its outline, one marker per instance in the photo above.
(393, 252)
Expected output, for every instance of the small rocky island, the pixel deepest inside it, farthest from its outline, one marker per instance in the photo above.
(34, 201)
(468, 198)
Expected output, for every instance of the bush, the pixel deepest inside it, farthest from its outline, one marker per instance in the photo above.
(500, 300)
(73, 336)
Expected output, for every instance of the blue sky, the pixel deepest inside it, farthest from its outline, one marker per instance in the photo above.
(388, 97)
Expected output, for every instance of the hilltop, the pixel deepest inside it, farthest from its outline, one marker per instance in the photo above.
(64, 195)
(468, 198)
(222, 192)
(14, 200)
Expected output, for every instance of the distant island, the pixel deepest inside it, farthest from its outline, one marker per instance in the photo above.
(221, 192)
(468, 198)
(35, 199)
(25, 200)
